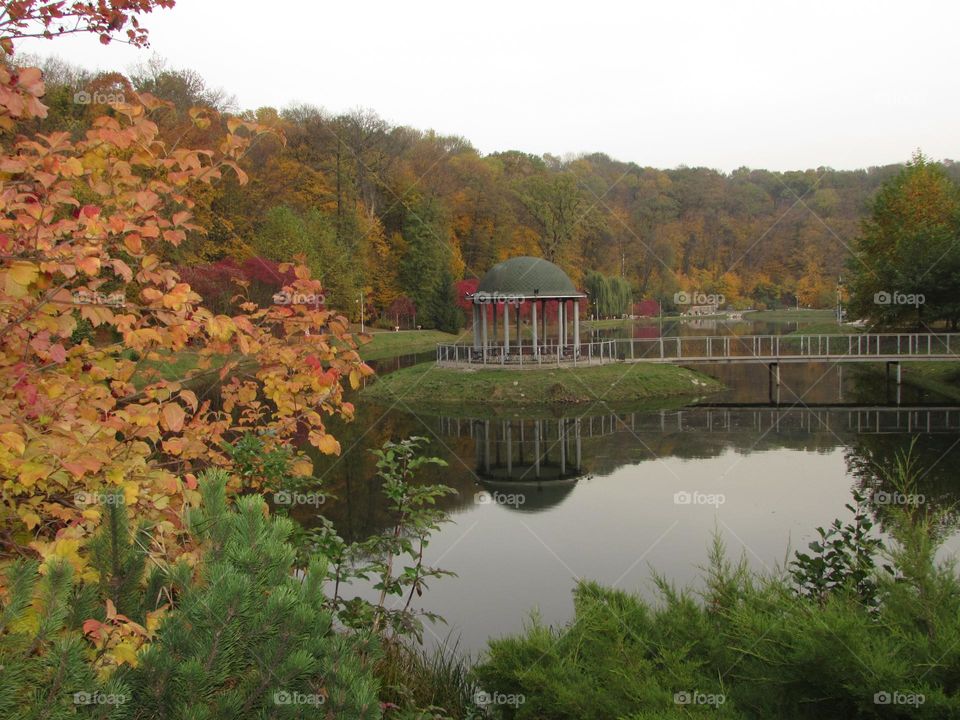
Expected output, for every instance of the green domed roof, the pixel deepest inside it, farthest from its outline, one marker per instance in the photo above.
(528, 276)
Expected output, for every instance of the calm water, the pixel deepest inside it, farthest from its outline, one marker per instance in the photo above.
(591, 494)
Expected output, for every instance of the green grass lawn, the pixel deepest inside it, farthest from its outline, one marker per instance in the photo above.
(387, 343)
(427, 386)
(175, 366)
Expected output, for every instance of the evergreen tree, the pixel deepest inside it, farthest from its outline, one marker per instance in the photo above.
(426, 258)
(247, 635)
(444, 312)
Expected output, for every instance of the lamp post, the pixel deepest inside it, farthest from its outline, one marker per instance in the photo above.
(360, 301)
(839, 299)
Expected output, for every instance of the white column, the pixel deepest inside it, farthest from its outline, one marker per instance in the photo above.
(506, 330)
(533, 326)
(483, 312)
(576, 326)
(476, 327)
(561, 325)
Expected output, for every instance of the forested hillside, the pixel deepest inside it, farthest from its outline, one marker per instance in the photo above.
(401, 214)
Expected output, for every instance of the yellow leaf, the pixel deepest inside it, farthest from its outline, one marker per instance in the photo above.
(30, 519)
(13, 441)
(302, 468)
(31, 471)
(131, 492)
(173, 416)
(125, 652)
(328, 445)
(354, 379)
(23, 273)
(18, 277)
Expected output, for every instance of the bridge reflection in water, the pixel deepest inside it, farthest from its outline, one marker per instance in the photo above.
(552, 449)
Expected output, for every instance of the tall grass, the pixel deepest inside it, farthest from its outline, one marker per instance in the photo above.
(436, 682)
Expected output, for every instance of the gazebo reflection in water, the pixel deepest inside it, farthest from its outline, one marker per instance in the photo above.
(540, 458)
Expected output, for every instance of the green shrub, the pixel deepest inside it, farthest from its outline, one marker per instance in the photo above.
(806, 644)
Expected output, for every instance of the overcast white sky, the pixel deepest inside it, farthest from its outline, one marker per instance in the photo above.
(780, 85)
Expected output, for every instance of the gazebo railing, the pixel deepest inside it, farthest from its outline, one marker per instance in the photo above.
(598, 352)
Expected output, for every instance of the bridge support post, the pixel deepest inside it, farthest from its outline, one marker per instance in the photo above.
(774, 381)
(899, 371)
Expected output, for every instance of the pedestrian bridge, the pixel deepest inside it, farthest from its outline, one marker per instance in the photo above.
(727, 349)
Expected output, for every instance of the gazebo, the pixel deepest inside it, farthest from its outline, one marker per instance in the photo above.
(512, 284)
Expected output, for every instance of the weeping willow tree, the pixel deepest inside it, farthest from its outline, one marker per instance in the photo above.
(609, 296)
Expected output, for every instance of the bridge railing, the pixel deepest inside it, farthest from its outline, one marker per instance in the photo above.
(773, 347)
(597, 352)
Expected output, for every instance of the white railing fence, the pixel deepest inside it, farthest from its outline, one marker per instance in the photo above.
(691, 348)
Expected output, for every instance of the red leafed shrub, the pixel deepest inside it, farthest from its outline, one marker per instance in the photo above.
(217, 283)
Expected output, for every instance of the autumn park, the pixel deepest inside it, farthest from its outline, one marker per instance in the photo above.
(305, 413)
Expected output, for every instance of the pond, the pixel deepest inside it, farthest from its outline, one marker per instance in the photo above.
(593, 494)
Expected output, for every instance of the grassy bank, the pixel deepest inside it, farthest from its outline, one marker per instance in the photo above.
(827, 327)
(614, 323)
(386, 343)
(426, 386)
(942, 378)
(806, 315)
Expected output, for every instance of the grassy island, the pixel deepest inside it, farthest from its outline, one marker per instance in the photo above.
(428, 386)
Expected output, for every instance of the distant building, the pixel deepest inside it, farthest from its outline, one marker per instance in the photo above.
(698, 310)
